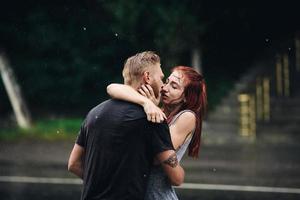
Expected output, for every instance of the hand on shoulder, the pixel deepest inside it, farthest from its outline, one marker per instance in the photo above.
(154, 113)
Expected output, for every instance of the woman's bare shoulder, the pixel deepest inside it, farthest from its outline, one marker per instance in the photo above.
(185, 122)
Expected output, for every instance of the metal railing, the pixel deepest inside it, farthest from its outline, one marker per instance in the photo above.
(275, 81)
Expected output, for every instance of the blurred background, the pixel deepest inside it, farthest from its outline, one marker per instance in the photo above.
(57, 57)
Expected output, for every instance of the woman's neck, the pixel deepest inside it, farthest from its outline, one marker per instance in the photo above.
(173, 108)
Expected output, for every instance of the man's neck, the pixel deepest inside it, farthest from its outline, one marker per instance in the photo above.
(135, 86)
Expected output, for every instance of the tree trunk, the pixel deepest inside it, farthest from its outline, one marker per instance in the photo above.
(14, 93)
(197, 60)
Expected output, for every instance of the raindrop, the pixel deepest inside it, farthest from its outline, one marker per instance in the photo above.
(267, 39)
(57, 131)
(96, 117)
(289, 48)
(214, 169)
(116, 34)
(84, 28)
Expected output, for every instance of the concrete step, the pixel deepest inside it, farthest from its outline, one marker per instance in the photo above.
(222, 138)
(222, 127)
(223, 119)
(258, 163)
(225, 109)
(285, 119)
(289, 129)
(294, 101)
(279, 111)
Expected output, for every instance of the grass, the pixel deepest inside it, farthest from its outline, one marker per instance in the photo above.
(46, 129)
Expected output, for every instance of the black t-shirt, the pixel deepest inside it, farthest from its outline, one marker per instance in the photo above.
(120, 145)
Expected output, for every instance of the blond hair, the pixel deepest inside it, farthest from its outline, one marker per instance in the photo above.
(136, 65)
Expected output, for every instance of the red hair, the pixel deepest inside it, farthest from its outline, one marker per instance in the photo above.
(196, 101)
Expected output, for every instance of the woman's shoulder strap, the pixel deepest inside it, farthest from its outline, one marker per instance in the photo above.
(178, 115)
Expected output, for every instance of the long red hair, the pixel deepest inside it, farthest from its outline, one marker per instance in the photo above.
(196, 101)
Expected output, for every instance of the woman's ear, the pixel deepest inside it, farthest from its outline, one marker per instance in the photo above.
(146, 77)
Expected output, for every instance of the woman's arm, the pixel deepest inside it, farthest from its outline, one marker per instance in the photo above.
(127, 93)
(181, 128)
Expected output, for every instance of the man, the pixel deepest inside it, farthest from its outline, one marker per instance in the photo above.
(116, 145)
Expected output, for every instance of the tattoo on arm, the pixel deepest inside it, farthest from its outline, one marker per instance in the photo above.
(171, 161)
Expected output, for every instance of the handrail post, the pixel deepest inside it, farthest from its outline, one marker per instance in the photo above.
(247, 115)
(259, 99)
(266, 99)
(279, 85)
(286, 75)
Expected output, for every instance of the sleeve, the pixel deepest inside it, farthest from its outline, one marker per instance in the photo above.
(161, 138)
(81, 137)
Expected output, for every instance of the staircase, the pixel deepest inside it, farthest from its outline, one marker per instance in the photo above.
(222, 124)
(271, 159)
(284, 126)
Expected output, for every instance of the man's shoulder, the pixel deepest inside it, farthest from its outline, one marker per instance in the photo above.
(132, 111)
(122, 104)
(119, 108)
(110, 103)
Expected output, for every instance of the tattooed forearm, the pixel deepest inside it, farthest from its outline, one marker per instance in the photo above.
(171, 161)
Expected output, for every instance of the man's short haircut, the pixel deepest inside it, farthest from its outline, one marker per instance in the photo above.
(136, 65)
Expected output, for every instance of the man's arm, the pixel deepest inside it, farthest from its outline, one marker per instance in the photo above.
(75, 164)
(171, 166)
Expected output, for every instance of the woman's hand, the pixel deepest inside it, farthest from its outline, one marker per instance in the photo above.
(147, 91)
(154, 113)
(127, 93)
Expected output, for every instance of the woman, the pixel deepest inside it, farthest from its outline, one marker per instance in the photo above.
(184, 102)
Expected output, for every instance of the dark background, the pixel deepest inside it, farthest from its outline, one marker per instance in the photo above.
(64, 53)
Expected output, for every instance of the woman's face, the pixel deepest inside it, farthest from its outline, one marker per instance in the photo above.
(172, 90)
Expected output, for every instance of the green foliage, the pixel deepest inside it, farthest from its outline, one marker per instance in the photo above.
(65, 54)
(170, 27)
(63, 57)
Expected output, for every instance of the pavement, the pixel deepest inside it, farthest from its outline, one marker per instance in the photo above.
(256, 164)
(35, 158)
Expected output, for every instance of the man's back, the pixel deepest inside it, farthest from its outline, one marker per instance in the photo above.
(119, 146)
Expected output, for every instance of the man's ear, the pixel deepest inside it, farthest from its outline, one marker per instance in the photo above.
(146, 77)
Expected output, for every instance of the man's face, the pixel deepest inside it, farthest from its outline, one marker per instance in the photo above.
(156, 76)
